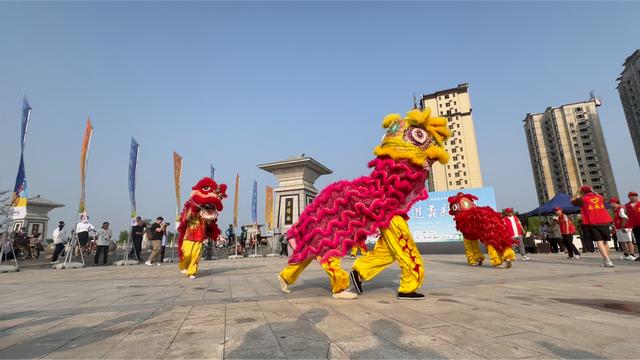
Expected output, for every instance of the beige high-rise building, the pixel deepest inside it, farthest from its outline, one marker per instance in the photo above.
(568, 150)
(463, 169)
(629, 89)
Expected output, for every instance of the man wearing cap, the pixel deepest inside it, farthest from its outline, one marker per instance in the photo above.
(567, 230)
(595, 220)
(514, 227)
(58, 240)
(623, 230)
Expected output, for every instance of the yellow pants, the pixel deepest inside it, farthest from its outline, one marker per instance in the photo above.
(191, 251)
(354, 251)
(497, 259)
(396, 243)
(338, 277)
(472, 250)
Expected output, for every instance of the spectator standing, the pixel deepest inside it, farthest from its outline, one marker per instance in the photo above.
(632, 209)
(516, 231)
(137, 232)
(102, 244)
(284, 245)
(567, 230)
(157, 230)
(165, 241)
(595, 220)
(554, 235)
(243, 237)
(82, 232)
(59, 237)
(623, 231)
(231, 235)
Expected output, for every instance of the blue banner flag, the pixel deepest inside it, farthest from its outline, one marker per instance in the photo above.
(213, 171)
(20, 189)
(26, 115)
(20, 193)
(133, 165)
(254, 203)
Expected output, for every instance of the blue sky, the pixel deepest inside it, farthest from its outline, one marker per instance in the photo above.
(244, 83)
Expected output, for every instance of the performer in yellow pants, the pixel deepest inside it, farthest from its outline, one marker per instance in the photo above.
(475, 256)
(338, 277)
(472, 250)
(191, 251)
(497, 259)
(395, 244)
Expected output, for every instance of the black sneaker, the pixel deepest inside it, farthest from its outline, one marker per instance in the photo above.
(357, 283)
(410, 296)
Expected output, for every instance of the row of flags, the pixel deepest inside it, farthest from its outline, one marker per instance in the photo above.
(20, 191)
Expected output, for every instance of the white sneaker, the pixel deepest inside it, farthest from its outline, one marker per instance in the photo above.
(158, 264)
(506, 264)
(630, 257)
(148, 263)
(183, 271)
(192, 277)
(283, 285)
(526, 258)
(577, 256)
(345, 294)
(607, 263)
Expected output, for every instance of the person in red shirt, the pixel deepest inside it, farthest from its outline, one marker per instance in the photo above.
(567, 230)
(514, 227)
(632, 208)
(595, 220)
(623, 230)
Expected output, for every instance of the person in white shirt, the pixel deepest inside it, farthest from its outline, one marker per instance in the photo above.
(59, 236)
(82, 231)
(103, 242)
(515, 229)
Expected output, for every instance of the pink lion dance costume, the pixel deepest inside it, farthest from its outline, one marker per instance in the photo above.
(346, 212)
(481, 224)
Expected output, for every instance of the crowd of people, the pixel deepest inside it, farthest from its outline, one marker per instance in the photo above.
(596, 227)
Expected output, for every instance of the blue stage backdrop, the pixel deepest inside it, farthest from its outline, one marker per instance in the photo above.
(430, 220)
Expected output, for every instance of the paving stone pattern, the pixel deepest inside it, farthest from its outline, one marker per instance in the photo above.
(547, 308)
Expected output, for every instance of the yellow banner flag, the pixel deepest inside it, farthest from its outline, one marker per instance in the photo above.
(235, 202)
(177, 175)
(84, 162)
(268, 210)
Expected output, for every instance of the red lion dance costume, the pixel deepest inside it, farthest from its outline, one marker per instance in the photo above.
(481, 224)
(199, 221)
(346, 212)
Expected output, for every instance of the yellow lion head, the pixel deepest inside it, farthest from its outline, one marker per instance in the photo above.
(418, 138)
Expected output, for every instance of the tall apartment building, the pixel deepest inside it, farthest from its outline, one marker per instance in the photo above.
(629, 89)
(567, 150)
(463, 169)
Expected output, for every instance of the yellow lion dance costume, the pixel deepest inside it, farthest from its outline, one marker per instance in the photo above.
(346, 212)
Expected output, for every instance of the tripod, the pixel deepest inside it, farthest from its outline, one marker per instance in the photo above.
(70, 256)
(256, 246)
(4, 243)
(235, 248)
(127, 251)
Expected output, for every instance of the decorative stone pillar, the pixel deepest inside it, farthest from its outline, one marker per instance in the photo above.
(296, 190)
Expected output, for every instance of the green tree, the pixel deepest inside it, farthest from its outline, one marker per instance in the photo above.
(124, 236)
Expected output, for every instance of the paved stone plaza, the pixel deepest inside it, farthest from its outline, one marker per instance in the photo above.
(547, 308)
